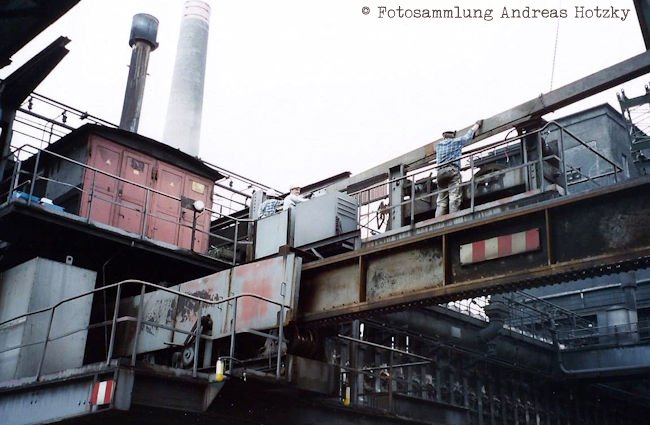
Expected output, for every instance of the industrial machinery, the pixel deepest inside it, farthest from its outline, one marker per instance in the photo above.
(129, 295)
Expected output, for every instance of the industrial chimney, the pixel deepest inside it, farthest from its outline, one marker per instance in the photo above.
(183, 123)
(144, 30)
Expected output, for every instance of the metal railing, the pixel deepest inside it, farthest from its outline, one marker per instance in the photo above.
(374, 201)
(599, 336)
(28, 182)
(140, 322)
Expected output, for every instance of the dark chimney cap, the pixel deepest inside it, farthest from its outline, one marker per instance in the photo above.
(144, 28)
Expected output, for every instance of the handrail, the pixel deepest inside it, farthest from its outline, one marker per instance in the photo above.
(470, 155)
(139, 321)
(146, 210)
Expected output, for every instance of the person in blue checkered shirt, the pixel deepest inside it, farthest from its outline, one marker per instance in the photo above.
(269, 207)
(448, 153)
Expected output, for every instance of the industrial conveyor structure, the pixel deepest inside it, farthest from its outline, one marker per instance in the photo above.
(129, 293)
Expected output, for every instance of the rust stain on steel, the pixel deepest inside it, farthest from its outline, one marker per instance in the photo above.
(158, 308)
(541, 275)
(188, 311)
(638, 187)
(596, 233)
(624, 229)
(263, 278)
(403, 272)
(330, 288)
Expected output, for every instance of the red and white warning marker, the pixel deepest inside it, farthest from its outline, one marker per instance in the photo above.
(501, 246)
(102, 392)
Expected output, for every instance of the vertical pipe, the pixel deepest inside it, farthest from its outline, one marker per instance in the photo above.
(142, 41)
(34, 177)
(15, 178)
(147, 195)
(390, 382)
(233, 321)
(47, 338)
(234, 248)
(471, 183)
(280, 340)
(540, 155)
(562, 162)
(138, 325)
(193, 230)
(524, 160)
(90, 196)
(353, 381)
(197, 340)
(413, 201)
(116, 311)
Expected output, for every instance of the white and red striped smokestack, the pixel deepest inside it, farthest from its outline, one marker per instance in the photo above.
(183, 123)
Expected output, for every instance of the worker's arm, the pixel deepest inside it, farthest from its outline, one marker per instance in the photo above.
(470, 133)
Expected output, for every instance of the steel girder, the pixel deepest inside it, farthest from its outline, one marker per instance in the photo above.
(594, 233)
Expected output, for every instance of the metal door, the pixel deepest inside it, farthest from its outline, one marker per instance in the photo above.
(166, 209)
(196, 188)
(133, 199)
(100, 190)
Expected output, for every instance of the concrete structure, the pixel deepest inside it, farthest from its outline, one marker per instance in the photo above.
(143, 41)
(183, 123)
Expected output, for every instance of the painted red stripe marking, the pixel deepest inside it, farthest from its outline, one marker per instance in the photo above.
(93, 397)
(532, 239)
(505, 245)
(478, 251)
(109, 392)
(102, 392)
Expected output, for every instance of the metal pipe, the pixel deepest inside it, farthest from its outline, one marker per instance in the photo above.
(383, 347)
(413, 201)
(44, 118)
(91, 195)
(540, 161)
(390, 382)
(410, 364)
(15, 177)
(234, 249)
(563, 161)
(151, 285)
(193, 229)
(145, 213)
(232, 335)
(142, 40)
(31, 188)
(47, 337)
(138, 324)
(472, 181)
(116, 310)
(197, 339)
(280, 341)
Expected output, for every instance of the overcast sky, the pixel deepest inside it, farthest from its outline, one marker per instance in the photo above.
(297, 91)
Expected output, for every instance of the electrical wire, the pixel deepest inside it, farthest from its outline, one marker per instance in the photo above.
(557, 37)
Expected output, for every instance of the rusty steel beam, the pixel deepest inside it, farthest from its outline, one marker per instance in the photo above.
(528, 111)
(590, 234)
